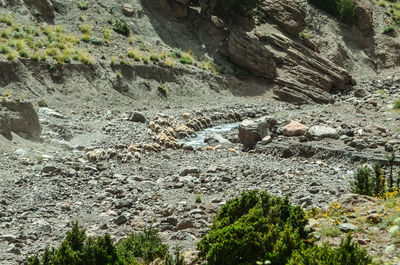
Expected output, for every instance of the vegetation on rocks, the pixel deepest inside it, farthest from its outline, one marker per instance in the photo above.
(78, 249)
(257, 227)
(345, 10)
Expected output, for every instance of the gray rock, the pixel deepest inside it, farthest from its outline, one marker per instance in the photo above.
(347, 227)
(189, 170)
(250, 131)
(184, 224)
(320, 132)
(48, 169)
(50, 113)
(137, 117)
(121, 219)
(14, 249)
(361, 93)
(9, 238)
(42, 226)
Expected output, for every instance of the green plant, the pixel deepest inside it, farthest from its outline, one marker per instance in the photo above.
(83, 5)
(163, 89)
(78, 249)
(107, 35)
(198, 198)
(362, 183)
(85, 28)
(303, 35)
(4, 49)
(391, 157)
(154, 58)
(389, 29)
(42, 103)
(253, 227)
(147, 245)
(96, 41)
(121, 27)
(347, 253)
(396, 104)
(345, 10)
(125, 62)
(330, 230)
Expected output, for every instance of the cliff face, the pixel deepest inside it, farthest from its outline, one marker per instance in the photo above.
(302, 52)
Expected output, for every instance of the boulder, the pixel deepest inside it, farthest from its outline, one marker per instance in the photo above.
(128, 10)
(364, 17)
(215, 138)
(137, 117)
(20, 118)
(252, 131)
(320, 132)
(294, 128)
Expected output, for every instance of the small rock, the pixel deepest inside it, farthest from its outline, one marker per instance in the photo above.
(50, 113)
(128, 10)
(320, 132)
(294, 128)
(48, 169)
(189, 170)
(266, 140)
(184, 224)
(14, 249)
(361, 93)
(121, 220)
(374, 218)
(137, 117)
(347, 227)
(9, 238)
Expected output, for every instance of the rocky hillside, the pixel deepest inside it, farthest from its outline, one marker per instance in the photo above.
(125, 114)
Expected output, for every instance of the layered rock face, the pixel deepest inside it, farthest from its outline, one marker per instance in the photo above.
(274, 50)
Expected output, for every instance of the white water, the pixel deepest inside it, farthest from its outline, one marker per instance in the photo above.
(198, 139)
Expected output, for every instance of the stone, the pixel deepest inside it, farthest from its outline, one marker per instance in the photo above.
(266, 140)
(252, 131)
(319, 132)
(294, 128)
(14, 250)
(189, 170)
(364, 17)
(360, 93)
(347, 227)
(121, 219)
(137, 117)
(216, 138)
(50, 113)
(128, 10)
(42, 226)
(184, 224)
(9, 238)
(49, 169)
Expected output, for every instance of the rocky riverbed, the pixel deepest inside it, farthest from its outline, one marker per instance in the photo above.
(117, 172)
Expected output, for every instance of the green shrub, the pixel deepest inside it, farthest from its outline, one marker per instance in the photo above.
(396, 104)
(83, 5)
(389, 29)
(96, 41)
(363, 182)
(121, 27)
(147, 245)
(345, 10)
(78, 249)
(253, 227)
(257, 228)
(347, 253)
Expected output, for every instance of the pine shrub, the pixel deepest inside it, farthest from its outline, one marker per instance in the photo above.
(345, 10)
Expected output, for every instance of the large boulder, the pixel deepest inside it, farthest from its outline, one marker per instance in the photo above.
(44, 7)
(252, 131)
(364, 17)
(20, 118)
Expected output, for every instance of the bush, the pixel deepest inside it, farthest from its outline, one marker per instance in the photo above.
(347, 253)
(83, 5)
(255, 227)
(362, 183)
(389, 29)
(345, 10)
(121, 27)
(77, 249)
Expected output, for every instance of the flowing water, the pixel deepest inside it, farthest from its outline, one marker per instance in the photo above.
(198, 139)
